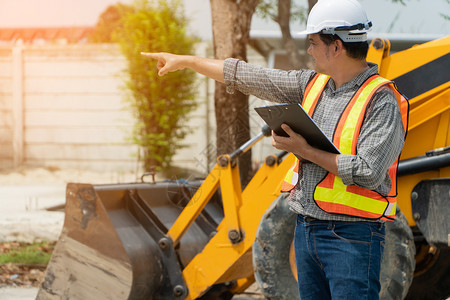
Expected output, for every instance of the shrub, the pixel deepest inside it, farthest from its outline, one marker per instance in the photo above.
(160, 104)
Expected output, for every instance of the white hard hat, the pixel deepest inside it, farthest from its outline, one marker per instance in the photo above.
(345, 18)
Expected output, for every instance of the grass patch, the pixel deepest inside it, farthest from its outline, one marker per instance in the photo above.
(26, 253)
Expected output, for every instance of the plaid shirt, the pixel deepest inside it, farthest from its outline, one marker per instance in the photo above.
(379, 143)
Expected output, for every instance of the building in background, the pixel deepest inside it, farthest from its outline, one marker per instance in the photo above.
(45, 35)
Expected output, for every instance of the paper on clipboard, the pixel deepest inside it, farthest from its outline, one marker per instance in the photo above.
(296, 117)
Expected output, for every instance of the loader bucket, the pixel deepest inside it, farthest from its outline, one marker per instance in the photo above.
(113, 243)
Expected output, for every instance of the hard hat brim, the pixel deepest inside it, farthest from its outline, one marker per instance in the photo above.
(345, 36)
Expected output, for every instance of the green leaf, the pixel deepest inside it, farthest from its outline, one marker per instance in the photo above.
(161, 104)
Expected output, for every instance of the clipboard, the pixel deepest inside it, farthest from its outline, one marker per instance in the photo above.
(296, 117)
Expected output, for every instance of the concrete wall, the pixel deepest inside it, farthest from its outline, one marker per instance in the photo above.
(63, 106)
(6, 109)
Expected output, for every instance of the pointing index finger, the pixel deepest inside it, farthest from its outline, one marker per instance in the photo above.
(151, 55)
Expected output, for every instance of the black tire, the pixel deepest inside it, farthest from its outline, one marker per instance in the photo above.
(432, 280)
(272, 246)
(397, 267)
(271, 252)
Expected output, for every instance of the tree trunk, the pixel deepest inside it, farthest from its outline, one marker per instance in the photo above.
(311, 4)
(283, 19)
(231, 26)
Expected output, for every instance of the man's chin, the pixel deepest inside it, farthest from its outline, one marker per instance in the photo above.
(316, 68)
(320, 71)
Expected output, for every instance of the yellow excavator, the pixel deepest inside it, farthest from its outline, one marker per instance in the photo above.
(211, 239)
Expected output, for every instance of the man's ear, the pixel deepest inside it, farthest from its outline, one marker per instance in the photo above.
(338, 47)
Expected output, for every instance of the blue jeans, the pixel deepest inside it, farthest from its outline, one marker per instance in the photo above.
(338, 260)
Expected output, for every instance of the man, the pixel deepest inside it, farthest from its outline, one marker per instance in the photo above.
(342, 200)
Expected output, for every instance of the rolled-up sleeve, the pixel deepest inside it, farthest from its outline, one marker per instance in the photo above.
(267, 84)
(379, 144)
(229, 73)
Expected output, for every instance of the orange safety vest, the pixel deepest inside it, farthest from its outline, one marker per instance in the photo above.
(331, 194)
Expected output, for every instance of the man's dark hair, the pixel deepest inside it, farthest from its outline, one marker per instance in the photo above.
(356, 50)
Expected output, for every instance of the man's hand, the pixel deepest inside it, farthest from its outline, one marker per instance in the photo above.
(167, 62)
(297, 145)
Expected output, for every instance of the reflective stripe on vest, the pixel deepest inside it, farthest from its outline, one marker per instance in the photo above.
(312, 93)
(331, 194)
(291, 178)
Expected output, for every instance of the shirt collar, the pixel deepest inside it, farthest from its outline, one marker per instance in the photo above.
(360, 79)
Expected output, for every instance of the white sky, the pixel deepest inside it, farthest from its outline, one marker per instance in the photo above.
(418, 16)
